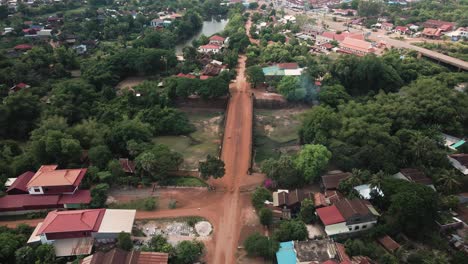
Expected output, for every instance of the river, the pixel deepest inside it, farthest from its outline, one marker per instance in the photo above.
(209, 28)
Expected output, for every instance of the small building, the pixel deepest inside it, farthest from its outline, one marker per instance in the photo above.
(290, 200)
(414, 175)
(328, 36)
(315, 251)
(127, 166)
(331, 181)
(209, 48)
(19, 87)
(183, 75)
(452, 142)
(120, 256)
(73, 233)
(216, 40)
(387, 26)
(283, 69)
(432, 33)
(365, 191)
(23, 47)
(402, 30)
(444, 25)
(460, 162)
(388, 243)
(157, 22)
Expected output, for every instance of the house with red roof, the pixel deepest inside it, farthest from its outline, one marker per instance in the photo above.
(439, 24)
(402, 30)
(432, 33)
(209, 48)
(23, 47)
(347, 216)
(75, 232)
(18, 87)
(48, 188)
(216, 40)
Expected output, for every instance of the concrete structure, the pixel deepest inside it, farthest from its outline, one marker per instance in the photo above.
(356, 46)
(119, 256)
(460, 162)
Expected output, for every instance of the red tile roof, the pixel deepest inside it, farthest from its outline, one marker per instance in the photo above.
(119, 256)
(330, 215)
(357, 45)
(19, 185)
(72, 221)
(288, 66)
(217, 38)
(388, 243)
(342, 36)
(204, 77)
(210, 46)
(319, 200)
(331, 181)
(26, 201)
(340, 249)
(401, 29)
(21, 85)
(23, 47)
(48, 176)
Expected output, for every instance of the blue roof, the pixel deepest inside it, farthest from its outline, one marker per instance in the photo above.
(458, 144)
(286, 253)
(273, 71)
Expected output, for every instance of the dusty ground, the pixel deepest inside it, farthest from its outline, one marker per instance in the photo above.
(130, 82)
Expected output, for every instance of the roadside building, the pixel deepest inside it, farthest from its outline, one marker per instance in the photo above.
(356, 47)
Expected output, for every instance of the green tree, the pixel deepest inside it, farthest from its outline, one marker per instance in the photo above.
(312, 159)
(291, 230)
(188, 252)
(22, 109)
(290, 88)
(333, 95)
(157, 162)
(257, 245)
(45, 254)
(158, 243)
(99, 195)
(449, 181)
(255, 75)
(125, 131)
(25, 255)
(319, 125)
(259, 197)
(100, 156)
(307, 213)
(124, 241)
(266, 216)
(212, 167)
(283, 171)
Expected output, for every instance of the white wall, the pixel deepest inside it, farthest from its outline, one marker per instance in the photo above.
(33, 191)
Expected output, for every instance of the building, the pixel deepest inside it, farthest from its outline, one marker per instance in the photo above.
(47, 188)
(432, 33)
(388, 243)
(157, 23)
(216, 40)
(209, 48)
(439, 24)
(119, 256)
(75, 232)
(345, 12)
(356, 46)
(365, 191)
(290, 199)
(331, 181)
(327, 37)
(127, 166)
(402, 30)
(283, 69)
(19, 87)
(347, 216)
(452, 142)
(414, 175)
(460, 33)
(460, 162)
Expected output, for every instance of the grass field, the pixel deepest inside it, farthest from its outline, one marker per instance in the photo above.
(276, 132)
(143, 204)
(205, 140)
(184, 181)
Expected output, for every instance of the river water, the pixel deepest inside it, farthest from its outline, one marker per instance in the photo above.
(209, 28)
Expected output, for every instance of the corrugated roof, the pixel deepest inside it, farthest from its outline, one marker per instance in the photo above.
(331, 181)
(330, 215)
(116, 221)
(49, 176)
(79, 197)
(388, 243)
(21, 182)
(349, 208)
(72, 221)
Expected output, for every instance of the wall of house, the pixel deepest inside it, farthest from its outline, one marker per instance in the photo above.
(361, 226)
(64, 235)
(35, 190)
(335, 229)
(105, 236)
(59, 189)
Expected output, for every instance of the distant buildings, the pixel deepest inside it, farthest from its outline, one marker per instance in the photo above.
(283, 69)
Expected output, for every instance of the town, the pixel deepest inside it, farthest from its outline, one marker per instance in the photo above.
(234, 131)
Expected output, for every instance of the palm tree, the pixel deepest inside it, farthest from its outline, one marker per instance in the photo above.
(449, 182)
(376, 179)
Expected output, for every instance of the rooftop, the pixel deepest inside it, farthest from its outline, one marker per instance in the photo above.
(217, 38)
(357, 44)
(286, 253)
(416, 175)
(315, 250)
(331, 181)
(330, 215)
(21, 182)
(72, 221)
(119, 256)
(49, 176)
(388, 243)
(349, 208)
(461, 157)
(116, 221)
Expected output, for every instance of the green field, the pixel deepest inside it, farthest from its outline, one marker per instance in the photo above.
(205, 140)
(275, 132)
(184, 181)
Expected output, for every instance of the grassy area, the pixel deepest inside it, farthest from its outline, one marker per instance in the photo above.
(275, 132)
(143, 204)
(205, 140)
(457, 49)
(36, 215)
(184, 181)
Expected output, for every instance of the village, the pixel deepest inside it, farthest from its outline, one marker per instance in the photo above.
(233, 132)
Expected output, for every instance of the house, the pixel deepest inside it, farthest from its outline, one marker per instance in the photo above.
(327, 37)
(402, 30)
(19, 87)
(157, 22)
(48, 188)
(209, 48)
(460, 33)
(331, 181)
(325, 46)
(216, 40)
(320, 200)
(452, 142)
(387, 26)
(460, 162)
(414, 175)
(127, 166)
(345, 12)
(365, 191)
(315, 251)
(183, 75)
(443, 25)
(388, 243)
(432, 33)
(347, 216)
(356, 46)
(290, 200)
(119, 256)
(75, 232)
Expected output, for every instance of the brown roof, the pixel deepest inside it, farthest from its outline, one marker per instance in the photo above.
(119, 256)
(319, 200)
(20, 183)
(331, 181)
(462, 158)
(416, 176)
(333, 196)
(388, 243)
(48, 175)
(297, 196)
(127, 165)
(349, 208)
